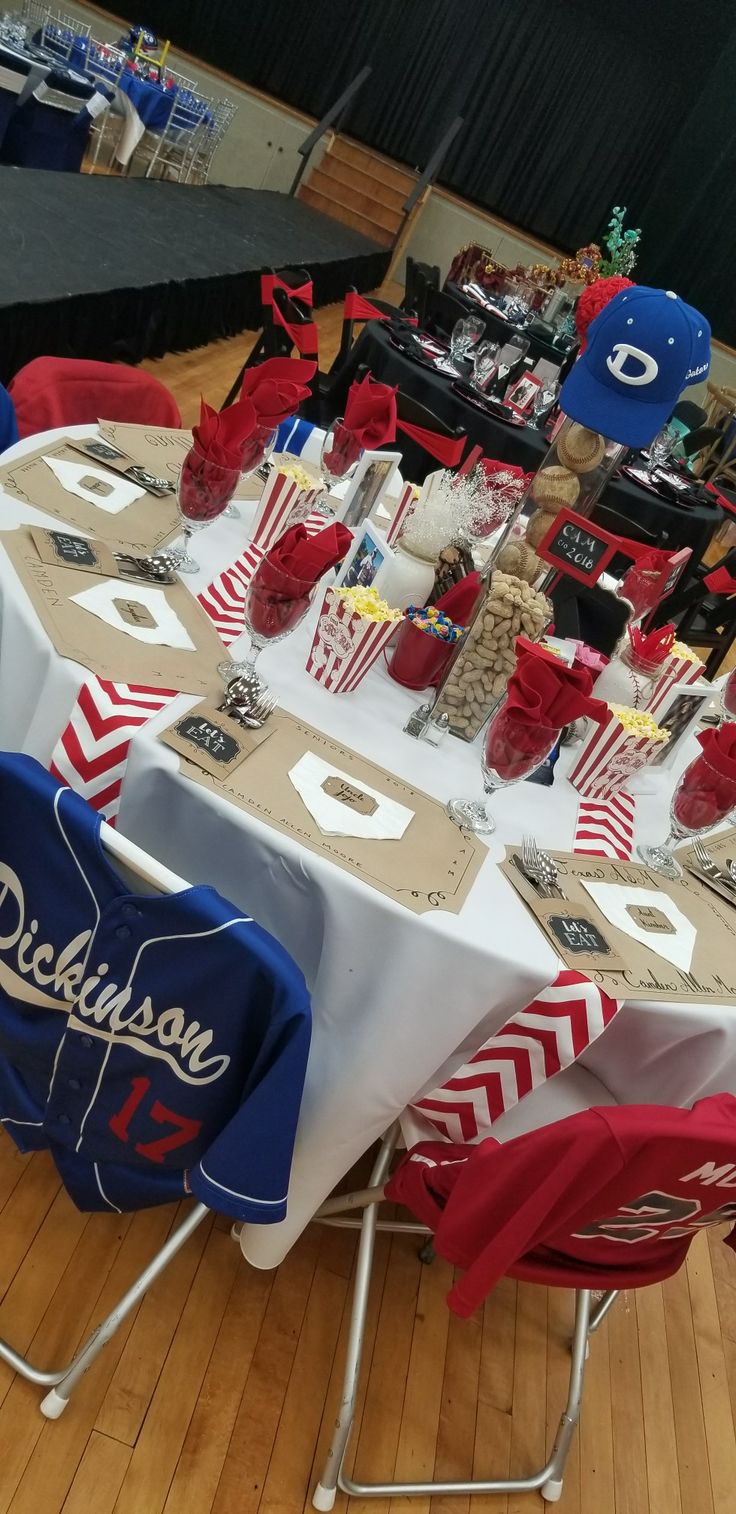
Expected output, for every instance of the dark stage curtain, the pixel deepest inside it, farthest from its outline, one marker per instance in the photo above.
(570, 107)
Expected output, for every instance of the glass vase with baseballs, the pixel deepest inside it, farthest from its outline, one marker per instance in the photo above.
(576, 468)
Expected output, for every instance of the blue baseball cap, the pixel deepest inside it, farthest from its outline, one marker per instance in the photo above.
(642, 350)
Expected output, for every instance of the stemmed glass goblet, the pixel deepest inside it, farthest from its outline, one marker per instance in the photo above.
(702, 799)
(465, 333)
(256, 451)
(205, 489)
(512, 749)
(660, 449)
(341, 452)
(275, 603)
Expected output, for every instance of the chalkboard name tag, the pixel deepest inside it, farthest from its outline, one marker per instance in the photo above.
(578, 547)
(212, 739)
(63, 549)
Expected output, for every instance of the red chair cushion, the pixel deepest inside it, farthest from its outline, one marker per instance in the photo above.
(61, 391)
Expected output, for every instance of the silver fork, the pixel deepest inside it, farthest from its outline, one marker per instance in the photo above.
(710, 868)
(531, 865)
(253, 714)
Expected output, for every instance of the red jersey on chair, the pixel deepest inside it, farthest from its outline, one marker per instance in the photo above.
(65, 391)
(609, 1198)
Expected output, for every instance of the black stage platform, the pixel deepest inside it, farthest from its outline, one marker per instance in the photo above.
(102, 267)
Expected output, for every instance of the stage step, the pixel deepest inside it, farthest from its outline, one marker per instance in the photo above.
(338, 212)
(361, 189)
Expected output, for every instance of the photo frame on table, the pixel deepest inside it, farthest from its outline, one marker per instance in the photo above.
(367, 486)
(680, 714)
(368, 564)
(522, 394)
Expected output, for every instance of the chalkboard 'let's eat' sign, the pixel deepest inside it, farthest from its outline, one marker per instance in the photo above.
(578, 547)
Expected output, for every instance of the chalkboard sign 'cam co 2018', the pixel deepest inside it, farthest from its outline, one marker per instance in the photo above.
(578, 547)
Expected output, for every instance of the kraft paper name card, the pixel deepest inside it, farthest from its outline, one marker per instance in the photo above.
(341, 807)
(138, 610)
(212, 740)
(104, 490)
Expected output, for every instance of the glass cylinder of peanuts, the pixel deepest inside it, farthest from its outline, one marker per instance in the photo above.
(574, 472)
(486, 658)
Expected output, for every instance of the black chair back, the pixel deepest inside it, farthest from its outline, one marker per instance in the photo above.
(288, 324)
(696, 440)
(589, 614)
(352, 317)
(419, 279)
(689, 414)
(417, 460)
(443, 310)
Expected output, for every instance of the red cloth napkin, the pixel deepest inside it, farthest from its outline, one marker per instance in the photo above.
(305, 558)
(370, 413)
(459, 602)
(542, 691)
(277, 388)
(707, 792)
(221, 436)
(720, 581)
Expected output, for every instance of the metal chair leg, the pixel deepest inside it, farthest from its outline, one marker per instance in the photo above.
(598, 1314)
(551, 1488)
(325, 1491)
(62, 1383)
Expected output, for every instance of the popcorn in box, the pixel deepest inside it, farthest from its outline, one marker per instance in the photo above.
(283, 502)
(347, 642)
(621, 744)
(681, 666)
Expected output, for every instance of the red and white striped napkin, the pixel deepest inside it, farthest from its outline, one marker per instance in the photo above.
(547, 1036)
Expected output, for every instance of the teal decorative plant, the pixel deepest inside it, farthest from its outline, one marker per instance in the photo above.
(621, 245)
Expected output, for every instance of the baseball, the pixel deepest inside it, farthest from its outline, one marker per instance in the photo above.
(554, 487)
(538, 526)
(580, 449)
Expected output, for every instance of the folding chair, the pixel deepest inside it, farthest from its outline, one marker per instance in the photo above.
(288, 325)
(426, 440)
(358, 309)
(268, 974)
(564, 1179)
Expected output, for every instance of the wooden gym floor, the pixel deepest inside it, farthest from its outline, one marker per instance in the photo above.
(219, 1394)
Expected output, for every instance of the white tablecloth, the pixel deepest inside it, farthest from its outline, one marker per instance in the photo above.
(398, 1000)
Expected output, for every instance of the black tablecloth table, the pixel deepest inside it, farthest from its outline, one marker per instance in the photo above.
(674, 525)
(500, 330)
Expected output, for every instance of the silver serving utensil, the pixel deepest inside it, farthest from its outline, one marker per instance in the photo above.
(710, 868)
(531, 866)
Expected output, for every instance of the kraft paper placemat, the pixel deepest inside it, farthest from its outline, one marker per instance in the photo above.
(712, 975)
(162, 450)
(108, 652)
(142, 526)
(722, 848)
(433, 866)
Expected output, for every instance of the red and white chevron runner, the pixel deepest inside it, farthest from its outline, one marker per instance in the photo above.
(539, 1041)
(605, 827)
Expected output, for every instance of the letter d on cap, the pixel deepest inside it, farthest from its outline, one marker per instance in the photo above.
(615, 365)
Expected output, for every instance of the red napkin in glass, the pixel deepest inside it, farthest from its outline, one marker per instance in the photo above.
(459, 602)
(652, 646)
(277, 388)
(222, 435)
(707, 792)
(305, 558)
(370, 413)
(543, 691)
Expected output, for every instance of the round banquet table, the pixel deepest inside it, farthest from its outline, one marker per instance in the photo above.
(500, 330)
(399, 1000)
(674, 525)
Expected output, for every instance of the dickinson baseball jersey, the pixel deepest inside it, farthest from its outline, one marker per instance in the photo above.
(155, 1045)
(609, 1198)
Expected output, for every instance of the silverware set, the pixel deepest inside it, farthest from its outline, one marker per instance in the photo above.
(159, 568)
(710, 869)
(248, 703)
(540, 869)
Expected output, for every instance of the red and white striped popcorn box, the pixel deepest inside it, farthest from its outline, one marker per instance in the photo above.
(608, 757)
(404, 509)
(345, 645)
(282, 503)
(676, 670)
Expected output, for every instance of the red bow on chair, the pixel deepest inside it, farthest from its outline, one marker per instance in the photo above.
(271, 281)
(359, 309)
(448, 450)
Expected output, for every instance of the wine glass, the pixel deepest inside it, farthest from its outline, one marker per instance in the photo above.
(544, 399)
(511, 751)
(484, 363)
(661, 448)
(702, 799)
(465, 333)
(275, 603)
(728, 697)
(340, 455)
(256, 452)
(205, 488)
